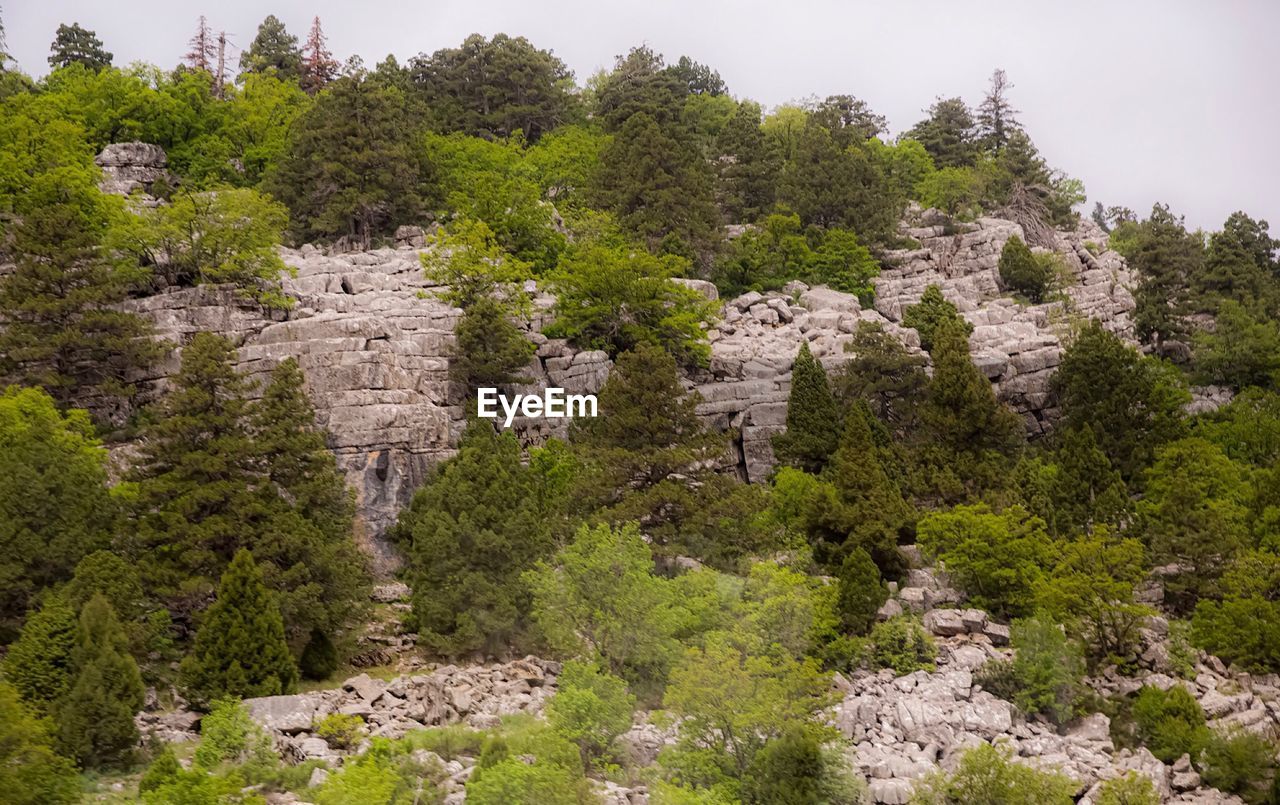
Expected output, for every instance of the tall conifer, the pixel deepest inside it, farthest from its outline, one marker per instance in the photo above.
(813, 418)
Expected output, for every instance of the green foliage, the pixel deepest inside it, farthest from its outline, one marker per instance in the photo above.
(996, 558)
(352, 169)
(227, 733)
(929, 313)
(1244, 627)
(795, 769)
(75, 45)
(1240, 762)
(1132, 403)
(240, 648)
(1169, 723)
(861, 592)
(490, 350)
(905, 162)
(38, 664)
(31, 772)
(812, 416)
(1075, 487)
(1134, 788)
(902, 644)
(831, 185)
(591, 708)
(1165, 257)
(319, 657)
(54, 503)
(381, 776)
(613, 297)
(95, 719)
(273, 51)
(1047, 668)
(1194, 514)
(1023, 272)
(748, 166)
(62, 330)
(470, 532)
(778, 250)
(339, 730)
(495, 88)
(990, 775)
(843, 263)
(161, 771)
(1241, 351)
(948, 134)
(514, 782)
(955, 191)
(881, 372)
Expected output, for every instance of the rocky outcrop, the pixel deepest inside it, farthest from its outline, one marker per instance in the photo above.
(129, 168)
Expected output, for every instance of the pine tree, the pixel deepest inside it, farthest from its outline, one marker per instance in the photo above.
(490, 350)
(1166, 257)
(240, 648)
(861, 507)
(38, 664)
(318, 65)
(75, 45)
(831, 185)
(948, 134)
(813, 418)
(275, 50)
(996, 116)
(861, 592)
(747, 167)
(62, 330)
(95, 719)
(204, 48)
(1022, 272)
(932, 310)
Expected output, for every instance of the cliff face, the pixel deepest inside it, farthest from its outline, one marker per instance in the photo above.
(374, 345)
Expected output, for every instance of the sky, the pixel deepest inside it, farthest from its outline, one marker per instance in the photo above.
(1144, 100)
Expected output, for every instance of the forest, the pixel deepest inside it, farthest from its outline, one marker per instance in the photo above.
(188, 549)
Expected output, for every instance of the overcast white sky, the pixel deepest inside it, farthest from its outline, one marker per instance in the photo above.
(1144, 100)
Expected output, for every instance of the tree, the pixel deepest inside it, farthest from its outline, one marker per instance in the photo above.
(240, 648)
(659, 186)
(850, 120)
(861, 592)
(1024, 272)
(495, 88)
(990, 775)
(75, 45)
(1082, 489)
(1047, 668)
(1241, 350)
(996, 558)
(843, 263)
(31, 771)
(1166, 257)
(96, 717)
(833, 186)
(615, 297)
(883, 374)
(699, 78)
(319, 657)
(38, 663)
(470, 532)
(747, 166)
(996, 119)
(353, 168)
(1132, 403)
(591, 708)
(63, 330)
(204, 49)
(932, 310)
(812, 432)
(1169, 722)
(54, 504)
(1194, 514)
(640, 84)
(319, 68)
(273, 50)
(948, 134)
(1243, 628)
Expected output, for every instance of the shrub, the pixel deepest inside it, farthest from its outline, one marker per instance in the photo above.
(861, 592)
(1241, 763)
(902, 644)
(1024, 272)
(514, 782)
(227, 733)
(1132, 789)
(449, 742)
(1047, 668)
(161, 772)
(1170, 723)
(340, 730)
(319, 657)
(795, 769)
(591, 708)
(989, 775)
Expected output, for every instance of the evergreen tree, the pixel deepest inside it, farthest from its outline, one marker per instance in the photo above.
(319, 657)
(996, 116)
(850, 120)
(833, 186)
(813, 417)
(204, 48)
(1087, 491)
(319, 68)
(748, 166)
(38, 664)
(882, 373)
(861, 507)
(948, 134)
(62, 331)
(494, 88)
(31, 772)
(240, 647)
(1023, 272)
(470, 532)
(75, 45)
(659, 186)
(490, 350)
(354, 165)
(275, 50)
(1166, 257)
(698, 78)
(95, 719)
(861, 592)
(931, 311)
(54, 503)
(640, 84)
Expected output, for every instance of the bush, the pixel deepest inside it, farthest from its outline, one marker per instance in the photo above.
(1132, 789)
(227, 733)
(514, 782)
(989, 775)
(319, 657)
(340, 730)
(449, 742)
(1047, 668)
(794, 769)
(1241, 763)
(1024, 272)
(1169, 723)
(902, 644)
(591, 708)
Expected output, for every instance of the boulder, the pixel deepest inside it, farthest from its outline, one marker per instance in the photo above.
(944, 622)
(287, 714)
